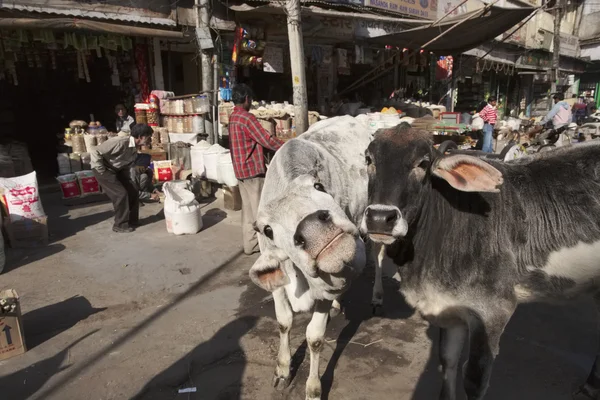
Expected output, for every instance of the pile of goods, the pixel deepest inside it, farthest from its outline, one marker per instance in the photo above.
(26, 221)
(83, 139)
(79, 184)
(276, 118)
(183, 118)
(213, 163)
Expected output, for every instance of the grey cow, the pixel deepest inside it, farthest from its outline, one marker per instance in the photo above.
(313, 199)
(473, 239)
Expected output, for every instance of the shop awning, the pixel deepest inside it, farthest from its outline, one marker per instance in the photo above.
(155, 12)
(463, 33)
(87, 25)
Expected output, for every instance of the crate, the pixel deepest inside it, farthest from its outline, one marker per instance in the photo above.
(12, 338)
(269, 125)
(27, 233)
(231, 198)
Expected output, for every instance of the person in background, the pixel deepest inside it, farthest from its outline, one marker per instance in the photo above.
(248, 141)
(111, 163)
(560, 115)
(572, 101)
(489, 116)
(590, 106)
(124, 121)
(477, 125)
(141, 177)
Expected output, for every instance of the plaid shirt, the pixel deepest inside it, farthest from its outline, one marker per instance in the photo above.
(489, 115)
(247, 140)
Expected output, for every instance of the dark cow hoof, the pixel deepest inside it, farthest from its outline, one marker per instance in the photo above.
(377, 310)
(281, 382)
(586, 393)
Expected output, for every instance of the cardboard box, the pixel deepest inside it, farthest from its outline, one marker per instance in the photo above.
(232, 198)
(12, 337)
(27, 233)
(156, 154)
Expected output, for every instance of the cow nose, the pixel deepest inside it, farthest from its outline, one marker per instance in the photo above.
(381, 219)
(315, 231)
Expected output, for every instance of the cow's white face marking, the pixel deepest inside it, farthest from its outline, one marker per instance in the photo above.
(278, 220)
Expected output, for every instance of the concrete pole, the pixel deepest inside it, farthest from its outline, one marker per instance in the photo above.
(297, 61)
(203, 21)
(558, 15)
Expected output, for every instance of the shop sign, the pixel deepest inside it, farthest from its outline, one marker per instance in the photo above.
(569, 45)
(371, 29)
(334, 27)
(418, 8)
(519, 37)
(535, 60)
(354, 2)
(344, 28)
(273, 59)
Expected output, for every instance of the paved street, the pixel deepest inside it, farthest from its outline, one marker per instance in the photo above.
(111, 316)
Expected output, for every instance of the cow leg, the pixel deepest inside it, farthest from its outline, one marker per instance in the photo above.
(285, 316)
(452, 340)
(315, 337)
(591, 387)
(484, 347)
(377, 252)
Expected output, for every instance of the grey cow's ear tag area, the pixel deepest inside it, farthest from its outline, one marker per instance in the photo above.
(468, 174)
(267, 273)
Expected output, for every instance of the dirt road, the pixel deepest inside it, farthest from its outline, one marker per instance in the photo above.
(112, 316)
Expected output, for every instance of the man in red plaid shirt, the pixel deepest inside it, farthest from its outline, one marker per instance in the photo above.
(247, 141)
(489, 116)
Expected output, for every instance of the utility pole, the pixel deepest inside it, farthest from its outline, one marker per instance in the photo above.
(297, 61)
(558, 15)
(205, 43)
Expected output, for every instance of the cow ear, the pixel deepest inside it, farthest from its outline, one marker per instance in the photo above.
(468, 173)
(267, 272)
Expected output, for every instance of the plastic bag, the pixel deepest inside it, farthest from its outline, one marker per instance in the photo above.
(87, 183)
(20, 197)
(69, 187)
(182, 211)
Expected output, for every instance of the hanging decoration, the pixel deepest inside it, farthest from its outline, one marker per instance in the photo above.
(142, 67)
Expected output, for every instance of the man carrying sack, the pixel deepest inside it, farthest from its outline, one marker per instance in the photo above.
(111, 163)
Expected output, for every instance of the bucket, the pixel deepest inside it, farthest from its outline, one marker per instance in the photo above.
(225, 172)
(211, 161)
(197, 156)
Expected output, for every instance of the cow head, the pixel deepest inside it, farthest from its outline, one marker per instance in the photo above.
(306, 226)
(403, 166)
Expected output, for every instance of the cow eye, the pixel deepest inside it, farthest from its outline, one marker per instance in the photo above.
(368, 160)
(319, 187)
(268, 232)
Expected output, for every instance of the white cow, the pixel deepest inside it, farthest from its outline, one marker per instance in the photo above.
(314, 196)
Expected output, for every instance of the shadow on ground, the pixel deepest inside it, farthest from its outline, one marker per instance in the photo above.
(215, 368)
(25, 382)
(64, 226)
(212, 217)
(16, 258)
(44, 323)
(546, 351)
(356, 305)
